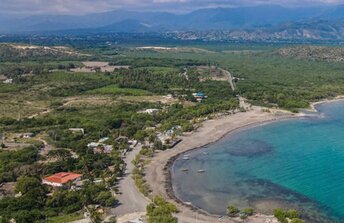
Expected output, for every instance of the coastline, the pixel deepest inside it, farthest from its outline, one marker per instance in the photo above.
(158, 174)
(314, 104)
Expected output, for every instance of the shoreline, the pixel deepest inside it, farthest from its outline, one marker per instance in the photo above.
(158, 172)
(314, 104)
(170, 162)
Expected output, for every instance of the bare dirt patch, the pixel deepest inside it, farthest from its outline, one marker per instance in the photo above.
(97, 66)
(153, 99)
(212, 73)
(46, 49)
(88, 100)
(175, 49)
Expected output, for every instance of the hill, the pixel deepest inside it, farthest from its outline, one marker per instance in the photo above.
(203, 19)
(305, 31)
(318, 53)
(258, 23)
(21, 52)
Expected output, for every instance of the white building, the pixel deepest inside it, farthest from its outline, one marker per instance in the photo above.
(150, 111)
(8, 81)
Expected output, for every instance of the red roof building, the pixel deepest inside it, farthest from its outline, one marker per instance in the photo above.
(59, 179)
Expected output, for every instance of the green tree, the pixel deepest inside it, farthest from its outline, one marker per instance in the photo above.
(26, 185)
(105, 198)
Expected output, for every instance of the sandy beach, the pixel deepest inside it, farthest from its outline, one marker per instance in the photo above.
(158, 171)
(314, 104)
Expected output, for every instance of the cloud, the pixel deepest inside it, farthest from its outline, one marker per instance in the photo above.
(91, 6)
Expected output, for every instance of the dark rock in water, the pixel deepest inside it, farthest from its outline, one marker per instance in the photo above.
(250, 148)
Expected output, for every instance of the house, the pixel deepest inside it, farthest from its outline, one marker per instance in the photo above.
(102, 148)
(8, 81)
(107, 148)
(150, 111)
(61, 179)
(26, 135)
(168, 135)
(199, 96)
(93, 145)
(75, 130)
(102, 140)
(99, 147)
(139, 220)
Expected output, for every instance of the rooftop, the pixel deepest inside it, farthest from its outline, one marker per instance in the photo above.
(62, 177)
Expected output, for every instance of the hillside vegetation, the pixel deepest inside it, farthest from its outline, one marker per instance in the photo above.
(14, 52)
(266, 77)
(320, 53)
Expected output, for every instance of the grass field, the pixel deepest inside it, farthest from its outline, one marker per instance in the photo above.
(115, 90)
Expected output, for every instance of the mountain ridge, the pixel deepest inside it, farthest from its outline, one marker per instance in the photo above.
(202, 19)
(268, 22)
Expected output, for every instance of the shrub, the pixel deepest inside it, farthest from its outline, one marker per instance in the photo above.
(161, 211)
(248, 211)
(283, 216)
(232, 211)
(297, 220)
(292, 214)
(280, 215)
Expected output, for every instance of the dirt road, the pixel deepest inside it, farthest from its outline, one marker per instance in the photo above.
(230, 78)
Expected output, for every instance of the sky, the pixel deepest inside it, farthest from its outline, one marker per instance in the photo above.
(78, 7)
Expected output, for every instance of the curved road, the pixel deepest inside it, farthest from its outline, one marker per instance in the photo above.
(230, 78)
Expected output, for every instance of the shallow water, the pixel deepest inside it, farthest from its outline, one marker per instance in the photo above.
(290, 164)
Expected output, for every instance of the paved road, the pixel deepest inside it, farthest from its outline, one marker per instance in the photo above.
(131, 200)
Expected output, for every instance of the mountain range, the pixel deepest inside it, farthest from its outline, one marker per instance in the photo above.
(267, 19)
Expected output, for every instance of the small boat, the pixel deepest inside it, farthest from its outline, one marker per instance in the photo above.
(185, 169)
(186, 157)
(205, 153)
(201, 171)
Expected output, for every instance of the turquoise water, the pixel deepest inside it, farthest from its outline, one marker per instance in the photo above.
(291, 164)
